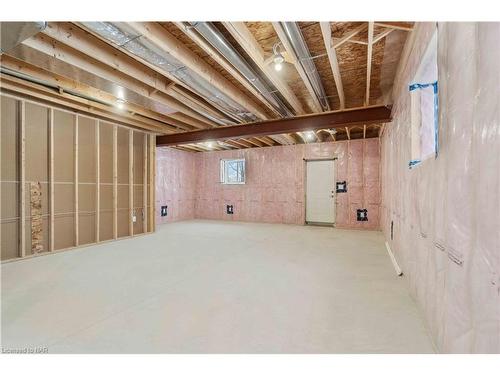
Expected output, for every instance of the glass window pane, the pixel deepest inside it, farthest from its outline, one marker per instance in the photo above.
(233, 171)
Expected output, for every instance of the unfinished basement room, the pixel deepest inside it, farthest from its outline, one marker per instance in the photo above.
(251, 187)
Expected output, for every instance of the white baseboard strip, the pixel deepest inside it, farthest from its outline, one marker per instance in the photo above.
(394, 262)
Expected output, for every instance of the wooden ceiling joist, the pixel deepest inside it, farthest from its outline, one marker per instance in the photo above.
(348, 132)
(288, 137)
(382, 35)
(405, 26)
(232, 143)
(255, 142)
(244, 37)
(241, 142)
(150, 66)
(95, 48)
(193, 148)
(160, 37)
(62, 99)
(267, 141)
(185, 96)
(82, 56)
(327, 120)
(79, 39)
(298, 66)
(326, 32)
(348, 37)
(183, 118)
(68, 84)
(369, 62)
(207, 48)
(185, 148)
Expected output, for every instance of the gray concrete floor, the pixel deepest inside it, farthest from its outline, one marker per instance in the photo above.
(215, 287)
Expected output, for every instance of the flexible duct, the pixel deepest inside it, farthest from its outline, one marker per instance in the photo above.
(296, 40)
(125, 37)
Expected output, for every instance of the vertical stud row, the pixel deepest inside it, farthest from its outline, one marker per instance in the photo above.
(115, 181)
(22, 180)
(51, 180)
(77, 218)
(131, 181)
(98, 181)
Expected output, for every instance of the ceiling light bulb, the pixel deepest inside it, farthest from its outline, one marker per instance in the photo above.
(278, 58)
(310, 135)
(120, 103)
(210, 144)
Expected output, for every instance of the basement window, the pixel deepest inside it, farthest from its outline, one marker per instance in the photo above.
(232, 171)
(424, 107)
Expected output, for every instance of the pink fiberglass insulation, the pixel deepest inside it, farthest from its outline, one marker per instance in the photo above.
(274, 188)
(175, 184)
(444, 212)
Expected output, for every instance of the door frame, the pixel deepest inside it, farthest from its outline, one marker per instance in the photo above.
(305, 160)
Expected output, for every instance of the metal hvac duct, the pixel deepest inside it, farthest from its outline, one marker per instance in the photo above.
(217, 40)
(125, 37)
(14, 33)
(296, 40)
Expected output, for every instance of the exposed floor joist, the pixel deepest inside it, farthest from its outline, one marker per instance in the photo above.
(160, 37)
(27, 89)
(70, 85)
(369, 62)
(332, 57)
(405, 26)
(347, 37)
(382, 35)
(83, 56)
(154, 93)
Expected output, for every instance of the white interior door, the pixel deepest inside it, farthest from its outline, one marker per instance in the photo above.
(320, 191)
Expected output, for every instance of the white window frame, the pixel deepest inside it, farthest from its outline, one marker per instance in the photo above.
(223, 163)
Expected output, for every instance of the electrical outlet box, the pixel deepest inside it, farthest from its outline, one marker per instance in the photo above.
(362, 214)
(229, 209)
(163, 211)
(134, 218)
(341, 187)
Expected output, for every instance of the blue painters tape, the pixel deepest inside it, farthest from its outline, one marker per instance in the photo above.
(412, 163)
(436, 122)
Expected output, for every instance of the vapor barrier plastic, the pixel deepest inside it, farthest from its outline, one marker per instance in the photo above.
(446, 233)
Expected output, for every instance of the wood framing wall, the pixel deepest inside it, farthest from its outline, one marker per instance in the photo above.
(68, 179)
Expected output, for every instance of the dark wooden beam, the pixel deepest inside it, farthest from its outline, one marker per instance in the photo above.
(325, 120)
